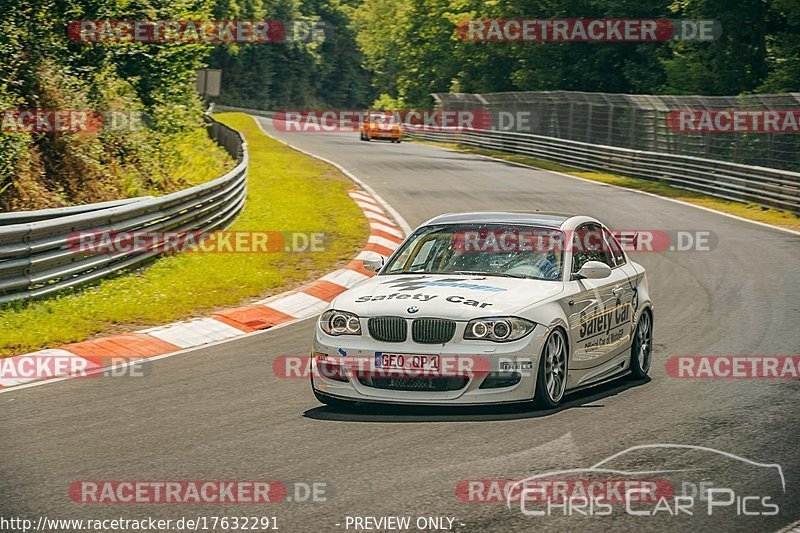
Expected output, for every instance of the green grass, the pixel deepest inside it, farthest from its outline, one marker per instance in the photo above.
(199, 159)
(749, 211)
(287, 191)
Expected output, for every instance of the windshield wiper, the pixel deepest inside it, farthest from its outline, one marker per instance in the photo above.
(468, 273)
(498, 274)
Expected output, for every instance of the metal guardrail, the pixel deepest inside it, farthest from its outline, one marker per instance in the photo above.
(37, 255)
(21, 217)
(768, 187)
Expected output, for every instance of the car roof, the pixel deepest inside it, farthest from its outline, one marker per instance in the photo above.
(534, 218)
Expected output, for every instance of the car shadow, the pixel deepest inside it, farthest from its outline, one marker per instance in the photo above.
(490, 413)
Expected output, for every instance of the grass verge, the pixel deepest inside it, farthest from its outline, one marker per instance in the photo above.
(749, 211)
(287, 191)
(198, 159)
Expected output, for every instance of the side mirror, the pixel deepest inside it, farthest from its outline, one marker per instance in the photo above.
(594, 270)
(374, 265)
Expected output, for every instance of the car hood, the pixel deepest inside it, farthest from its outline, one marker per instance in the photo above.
(456, 297)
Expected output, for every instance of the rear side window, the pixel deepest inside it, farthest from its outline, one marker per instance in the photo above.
(588, 244)
(616, 250)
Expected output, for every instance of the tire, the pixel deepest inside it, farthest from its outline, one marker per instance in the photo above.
(550, 387)
(642, 346)
(362, 137)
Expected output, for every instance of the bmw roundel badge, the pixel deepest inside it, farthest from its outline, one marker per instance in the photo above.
(412, 309)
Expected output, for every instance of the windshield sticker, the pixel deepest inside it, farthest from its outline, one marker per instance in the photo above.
(411, 284)
(395, 296)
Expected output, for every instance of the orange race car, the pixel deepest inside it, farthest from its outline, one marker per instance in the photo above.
(380, 126)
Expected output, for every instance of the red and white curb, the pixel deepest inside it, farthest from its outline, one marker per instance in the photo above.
(76, 360)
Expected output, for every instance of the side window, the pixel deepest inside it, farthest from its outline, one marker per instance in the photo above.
(422, 255)
(427, 252)
(613, 246)
(433, 253)
(588, 244)
(579, 257)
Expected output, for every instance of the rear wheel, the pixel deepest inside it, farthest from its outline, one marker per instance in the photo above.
(551, 381)
(642, 346)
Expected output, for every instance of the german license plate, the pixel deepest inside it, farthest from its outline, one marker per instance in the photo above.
(398, 361)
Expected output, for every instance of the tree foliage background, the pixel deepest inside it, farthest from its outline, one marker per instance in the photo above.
(329, 72)
(411, 49)
(392, 53)
(40, 68)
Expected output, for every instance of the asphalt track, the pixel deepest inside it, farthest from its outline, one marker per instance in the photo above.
(220, 413)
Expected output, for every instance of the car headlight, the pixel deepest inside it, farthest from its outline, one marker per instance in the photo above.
(335, 322)
(498, 329)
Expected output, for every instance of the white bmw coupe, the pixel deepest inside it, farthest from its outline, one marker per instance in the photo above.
(487, 308)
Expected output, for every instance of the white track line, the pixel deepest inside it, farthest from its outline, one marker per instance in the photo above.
(155, 357)
(389, 209)
(653, 195)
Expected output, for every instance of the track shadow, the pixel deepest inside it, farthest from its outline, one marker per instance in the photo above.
(491, 413)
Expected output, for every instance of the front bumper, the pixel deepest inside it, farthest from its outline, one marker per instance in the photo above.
(520, 356)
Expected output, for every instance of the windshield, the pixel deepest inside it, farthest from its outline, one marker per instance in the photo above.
(485, 249)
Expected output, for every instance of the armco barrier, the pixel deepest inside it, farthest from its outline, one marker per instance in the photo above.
(35, 256)
(21, 217)
(767, 187)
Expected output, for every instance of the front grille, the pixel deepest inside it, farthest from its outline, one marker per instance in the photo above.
(432, 330)
(388, 328)
(437, 384)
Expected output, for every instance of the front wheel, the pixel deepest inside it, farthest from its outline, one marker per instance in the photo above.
(642, 346)
(551, 381)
